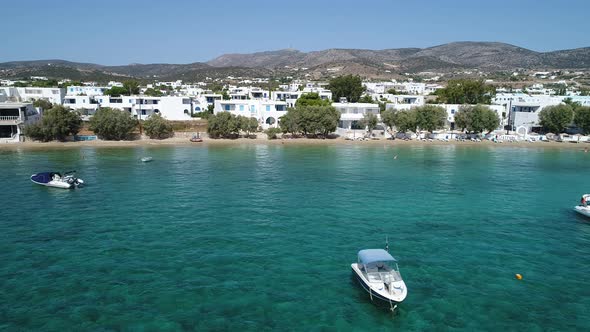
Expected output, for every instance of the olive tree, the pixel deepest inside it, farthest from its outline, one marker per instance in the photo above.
(476, 118)
(158, 127)
(112, 124)
(57, 123)
(582, 119)
(430, 117)
(369, 121)
(556, 118)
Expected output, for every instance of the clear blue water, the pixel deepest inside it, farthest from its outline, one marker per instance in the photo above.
(261, 237)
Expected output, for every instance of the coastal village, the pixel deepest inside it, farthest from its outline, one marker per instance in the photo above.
(360, 116)
(295, 166)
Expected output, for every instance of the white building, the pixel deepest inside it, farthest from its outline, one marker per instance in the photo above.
(174, 85)
(401, 102)
(290, 97)
(13, 116)
(54, 95)
(267, 112)
(73, 90)
(142, 107)
(351, 113)
(406, 87)
(523, 109)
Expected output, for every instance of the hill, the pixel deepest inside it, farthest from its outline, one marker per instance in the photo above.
(385, 64)
(487, 56)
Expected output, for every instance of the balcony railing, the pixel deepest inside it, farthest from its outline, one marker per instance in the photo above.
(11, 119)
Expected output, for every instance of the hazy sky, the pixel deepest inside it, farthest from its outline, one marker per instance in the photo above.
(176, 31)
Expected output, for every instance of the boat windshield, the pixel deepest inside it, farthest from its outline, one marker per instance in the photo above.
(382, 272)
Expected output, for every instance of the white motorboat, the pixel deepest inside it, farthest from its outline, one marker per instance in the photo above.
(583, 208)
(147, 159)
(56, 180)
(378, 273)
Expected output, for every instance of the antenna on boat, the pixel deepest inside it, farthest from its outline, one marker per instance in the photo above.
(386, 244)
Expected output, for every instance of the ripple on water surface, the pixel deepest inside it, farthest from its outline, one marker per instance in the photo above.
(262, 237)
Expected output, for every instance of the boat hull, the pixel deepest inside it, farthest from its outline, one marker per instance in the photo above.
(373, 294)
(54, 184)
(583, 210)
(45, 179)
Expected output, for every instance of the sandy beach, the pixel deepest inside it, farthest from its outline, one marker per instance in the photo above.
(183, 141)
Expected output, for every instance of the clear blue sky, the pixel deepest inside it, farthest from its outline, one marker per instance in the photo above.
(176, 31)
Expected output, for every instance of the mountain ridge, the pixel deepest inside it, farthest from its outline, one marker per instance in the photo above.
(384, 63)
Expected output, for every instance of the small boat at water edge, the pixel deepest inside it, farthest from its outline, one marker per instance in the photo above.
(583, 208)
(377, 272)
(196, 138)
(147, 159)
(56, 180)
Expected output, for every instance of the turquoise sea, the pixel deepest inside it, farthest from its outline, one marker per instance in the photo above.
(261, 237)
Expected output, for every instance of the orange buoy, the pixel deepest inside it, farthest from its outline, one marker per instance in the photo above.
(518, 276)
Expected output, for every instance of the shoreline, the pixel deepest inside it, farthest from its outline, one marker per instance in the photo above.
(294, 142)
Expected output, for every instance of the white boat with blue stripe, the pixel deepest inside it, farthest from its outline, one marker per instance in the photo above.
(56, 180)
(378, 273)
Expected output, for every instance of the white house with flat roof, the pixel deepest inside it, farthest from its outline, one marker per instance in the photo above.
(401, 102)
(73, 90)
(13, 117)
(523, 109)
(352, 113)
(139, 106)
(267, 112)
(290, 97)
(54, 95)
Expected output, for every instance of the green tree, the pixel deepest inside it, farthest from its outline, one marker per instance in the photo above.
(369, 121)
(290, 122)
(44, 83)
(582, 119)
(430, 117)
(210, 109)
(465, 91)
(311, 99)
(153, 92)
(223, 124)
(366, 99)
(388, 119)
(43, 103)
(272, 133)
(574, 104)
(72, 83)
(112, 124)
(556, 118)
(158, 127)
(476, 119)
(310, 120)
(327, 117)
(131, 86)
(348, 86)
(56, 124)
(405, 120)
(116, 91)
(248, 124)
(392, 91)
